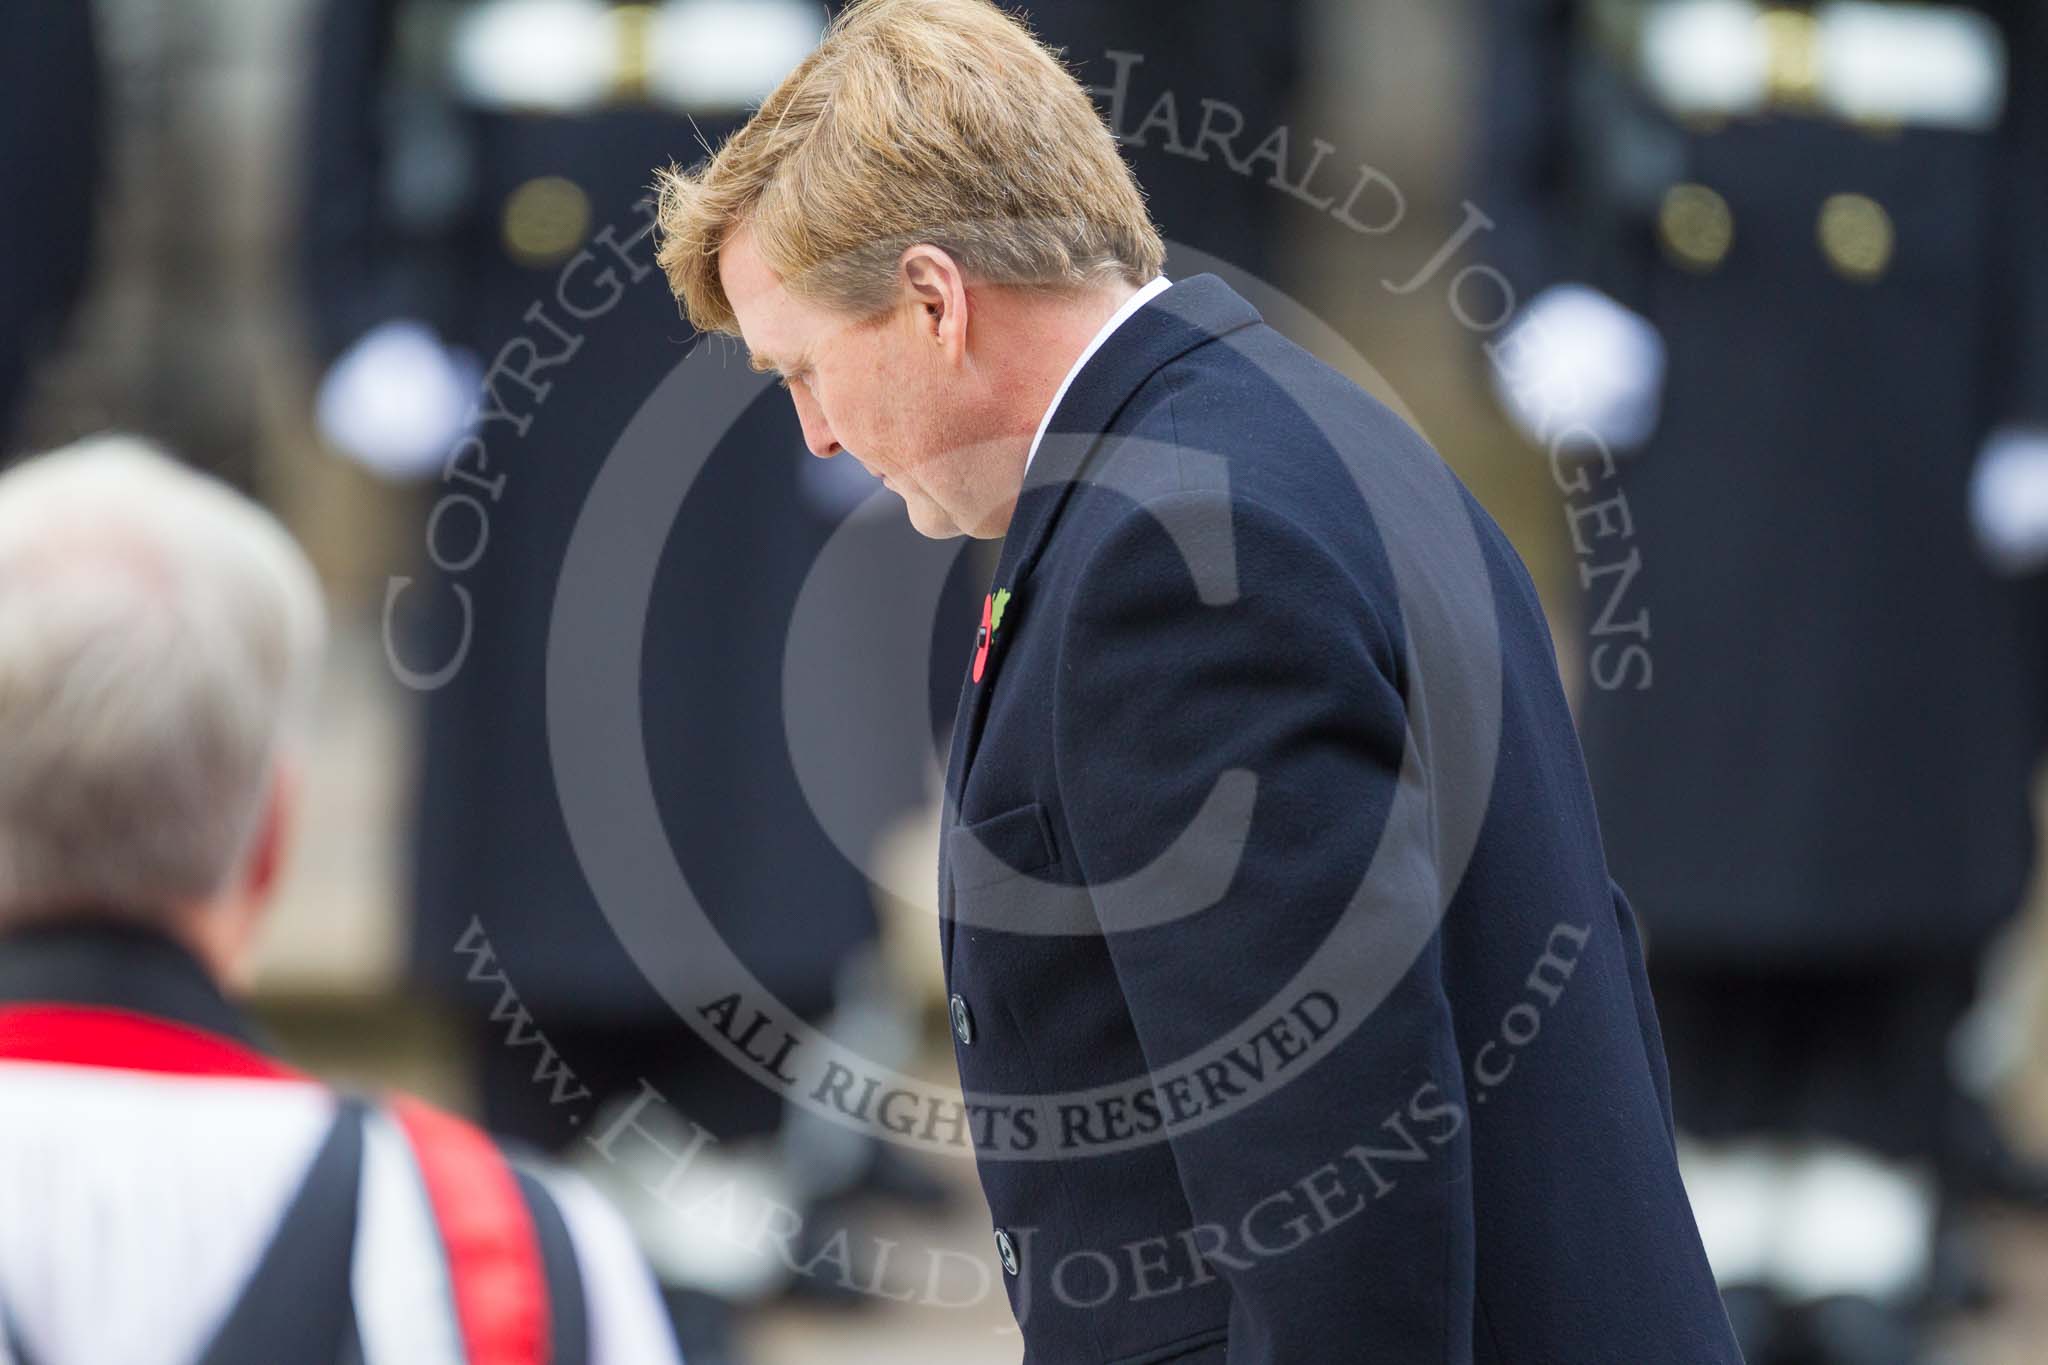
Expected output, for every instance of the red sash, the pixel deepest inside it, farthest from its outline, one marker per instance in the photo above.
(494, 1263)
(494, 1258)
(116, 1040)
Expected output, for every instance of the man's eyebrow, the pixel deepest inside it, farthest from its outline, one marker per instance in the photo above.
(765, 364)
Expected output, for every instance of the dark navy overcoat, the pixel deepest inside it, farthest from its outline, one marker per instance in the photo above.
(1298, 1016)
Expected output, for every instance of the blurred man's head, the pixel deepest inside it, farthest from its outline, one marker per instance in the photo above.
(159, 637)
(911, 230)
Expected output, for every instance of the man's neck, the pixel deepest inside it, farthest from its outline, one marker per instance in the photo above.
(1050, 341)
(1041, 335)
(1070, 329)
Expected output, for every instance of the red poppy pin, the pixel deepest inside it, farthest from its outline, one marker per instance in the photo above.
(991, 621)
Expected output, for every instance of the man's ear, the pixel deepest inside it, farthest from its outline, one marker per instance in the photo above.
(936, 292)
(273, 834)
(224, 932)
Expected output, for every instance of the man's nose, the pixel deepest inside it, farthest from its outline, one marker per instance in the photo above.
(817, 435)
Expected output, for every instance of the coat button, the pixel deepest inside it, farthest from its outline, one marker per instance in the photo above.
(1007, 1250)
(963, 1022)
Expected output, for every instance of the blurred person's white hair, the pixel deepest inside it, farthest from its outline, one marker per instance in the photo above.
(160, 636)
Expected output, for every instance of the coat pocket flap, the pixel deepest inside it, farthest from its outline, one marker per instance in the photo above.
(1012, 844)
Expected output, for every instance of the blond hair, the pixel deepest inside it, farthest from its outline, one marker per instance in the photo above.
(941, 122)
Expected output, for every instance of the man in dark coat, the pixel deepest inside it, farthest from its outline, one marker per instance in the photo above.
(1800, 268)
(1298, 1016)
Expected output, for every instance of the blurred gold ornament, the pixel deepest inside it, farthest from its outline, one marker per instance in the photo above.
(1792, 58)
(545, 220)
(634, 25)
(1856, 235)
(1695, 226)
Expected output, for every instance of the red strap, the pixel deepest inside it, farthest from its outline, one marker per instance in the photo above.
(117, 1040)
(494, 1261)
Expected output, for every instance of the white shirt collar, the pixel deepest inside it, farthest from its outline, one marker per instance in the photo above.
(1121, 316)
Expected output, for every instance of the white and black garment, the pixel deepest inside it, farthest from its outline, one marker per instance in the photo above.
(170, 1195)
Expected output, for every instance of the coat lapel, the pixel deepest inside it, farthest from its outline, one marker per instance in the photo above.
(1188, 315)
(1191, 314)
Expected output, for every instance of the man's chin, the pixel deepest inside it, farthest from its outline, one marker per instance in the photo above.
(928, 519)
